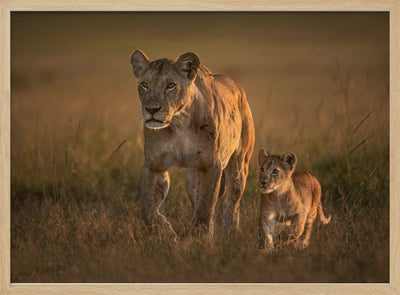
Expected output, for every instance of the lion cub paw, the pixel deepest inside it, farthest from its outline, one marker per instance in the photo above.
(266, 249)
(300, 245)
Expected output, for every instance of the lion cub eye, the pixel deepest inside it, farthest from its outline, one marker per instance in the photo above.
(171, 85)
(144, 85)
(262, 170)
(275, 171)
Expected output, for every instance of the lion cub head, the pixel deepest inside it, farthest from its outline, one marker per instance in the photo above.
(164, 86)
(275, 171)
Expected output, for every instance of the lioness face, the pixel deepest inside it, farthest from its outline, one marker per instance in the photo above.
(162, 96)
(164, 86)
(275, 171)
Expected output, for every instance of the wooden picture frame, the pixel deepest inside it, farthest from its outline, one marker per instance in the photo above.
(393, 287)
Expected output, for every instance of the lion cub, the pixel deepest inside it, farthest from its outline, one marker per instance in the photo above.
(287, 197)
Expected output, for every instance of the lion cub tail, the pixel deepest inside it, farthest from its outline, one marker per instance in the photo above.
(322, 217)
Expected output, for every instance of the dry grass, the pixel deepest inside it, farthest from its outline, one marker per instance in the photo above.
(317, 85)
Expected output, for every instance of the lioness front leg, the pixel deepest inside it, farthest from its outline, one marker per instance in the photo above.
(207, 190)
(155, 186)
(191, 180)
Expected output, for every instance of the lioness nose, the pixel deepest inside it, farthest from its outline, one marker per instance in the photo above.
(152, 110)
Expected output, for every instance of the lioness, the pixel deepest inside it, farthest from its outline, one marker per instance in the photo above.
(287, 197)
(199, 121)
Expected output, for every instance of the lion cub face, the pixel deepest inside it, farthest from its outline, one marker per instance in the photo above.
(275, 171)
(164, 86)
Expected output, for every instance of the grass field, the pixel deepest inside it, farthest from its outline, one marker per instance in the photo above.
(317, 84)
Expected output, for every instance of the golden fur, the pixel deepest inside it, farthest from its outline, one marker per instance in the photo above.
(199, 121)
(287, 197)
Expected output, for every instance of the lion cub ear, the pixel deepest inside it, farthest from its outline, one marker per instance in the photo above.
(140, 62)
(291, 159)
(262, 155)
(188, 64)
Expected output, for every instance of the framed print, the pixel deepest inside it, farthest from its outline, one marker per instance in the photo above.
(191, 148)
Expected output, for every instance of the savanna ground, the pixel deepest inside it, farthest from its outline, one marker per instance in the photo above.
(317, 85)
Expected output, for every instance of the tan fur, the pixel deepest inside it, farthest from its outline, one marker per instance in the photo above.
(199, 121)
(287, 197)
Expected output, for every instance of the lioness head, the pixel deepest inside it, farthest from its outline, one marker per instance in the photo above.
(275, 170)
(164, 86)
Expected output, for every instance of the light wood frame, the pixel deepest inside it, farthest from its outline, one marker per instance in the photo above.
(6, 6)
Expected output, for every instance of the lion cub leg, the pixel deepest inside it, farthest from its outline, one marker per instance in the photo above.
(266, 230)
(316, 208)
(305, 237)
(296, 228)
(155, 186)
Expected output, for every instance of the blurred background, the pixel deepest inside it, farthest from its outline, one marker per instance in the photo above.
(317, 84)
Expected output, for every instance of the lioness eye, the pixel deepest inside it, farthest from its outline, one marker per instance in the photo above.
(275, 171)
(171, 85)
(144, 85)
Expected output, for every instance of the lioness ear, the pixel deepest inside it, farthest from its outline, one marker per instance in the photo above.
(188, 64)
(291, 159)
(262, 155)
(140, 62)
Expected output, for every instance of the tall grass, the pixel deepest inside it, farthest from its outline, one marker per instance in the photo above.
(77, 146)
